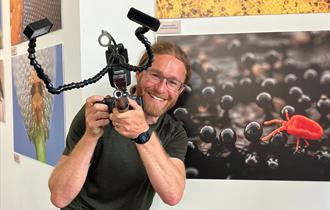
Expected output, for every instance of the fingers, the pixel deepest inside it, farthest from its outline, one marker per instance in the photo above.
(116, 125)
(93, 99)
(100, 114)
(134, 104)
(96, 119)
(93, 102)
(117, 116)
(101, 107)
(127, 122)
(96, 115)
(101, 122)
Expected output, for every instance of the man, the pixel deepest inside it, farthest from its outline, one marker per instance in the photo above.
(119, 160)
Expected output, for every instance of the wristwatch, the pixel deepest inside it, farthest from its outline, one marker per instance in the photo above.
(143, 137)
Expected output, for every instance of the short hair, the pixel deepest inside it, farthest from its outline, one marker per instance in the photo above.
(168, 48)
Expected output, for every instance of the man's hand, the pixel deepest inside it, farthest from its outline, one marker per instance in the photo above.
(130, 123)
(96, 116)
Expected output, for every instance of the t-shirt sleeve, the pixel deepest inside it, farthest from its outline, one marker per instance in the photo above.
(177, 146)
(76, 131)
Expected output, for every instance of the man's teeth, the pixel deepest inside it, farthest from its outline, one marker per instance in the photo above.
(155, 97)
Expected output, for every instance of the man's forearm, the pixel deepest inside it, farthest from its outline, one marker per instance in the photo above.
(69, 176)
(167, 175)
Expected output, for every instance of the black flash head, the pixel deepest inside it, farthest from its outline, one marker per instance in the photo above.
(38, 28)
(143, 19)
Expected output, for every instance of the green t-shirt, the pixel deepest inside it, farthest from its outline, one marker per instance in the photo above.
(117, 179)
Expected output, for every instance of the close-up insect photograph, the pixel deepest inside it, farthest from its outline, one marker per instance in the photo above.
(257, 106)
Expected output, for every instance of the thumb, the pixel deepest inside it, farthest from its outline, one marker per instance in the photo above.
(134, 104)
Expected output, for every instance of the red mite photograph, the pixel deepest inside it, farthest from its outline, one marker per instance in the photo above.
(248, 111)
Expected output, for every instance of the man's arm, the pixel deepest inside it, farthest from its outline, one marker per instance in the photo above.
(167, 175)
(70, 173)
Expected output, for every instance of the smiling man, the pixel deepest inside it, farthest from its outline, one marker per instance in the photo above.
(119, 160)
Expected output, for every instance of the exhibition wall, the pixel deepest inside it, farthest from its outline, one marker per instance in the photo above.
(24, 179)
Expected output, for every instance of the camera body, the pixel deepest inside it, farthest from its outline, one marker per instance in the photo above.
(120, 101)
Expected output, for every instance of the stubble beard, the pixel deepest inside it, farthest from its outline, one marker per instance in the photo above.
(150, 108)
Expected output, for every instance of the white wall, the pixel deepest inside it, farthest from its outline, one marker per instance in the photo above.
(24, 184)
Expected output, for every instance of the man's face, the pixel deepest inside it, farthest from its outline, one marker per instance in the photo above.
(157, 97)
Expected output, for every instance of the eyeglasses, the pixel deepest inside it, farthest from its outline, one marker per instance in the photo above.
(172, 84)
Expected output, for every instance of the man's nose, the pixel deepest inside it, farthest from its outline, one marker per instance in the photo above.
(162, 86)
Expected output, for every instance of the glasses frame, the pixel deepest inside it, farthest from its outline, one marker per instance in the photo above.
(158, 77)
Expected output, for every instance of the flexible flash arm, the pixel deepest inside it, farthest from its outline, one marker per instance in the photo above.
(116, 54)
(76, 85)
(139, 34)
(44, 77)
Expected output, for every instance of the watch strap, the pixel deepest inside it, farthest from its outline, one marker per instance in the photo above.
(143, 137)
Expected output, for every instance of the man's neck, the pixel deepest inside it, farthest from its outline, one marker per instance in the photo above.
(151, 119)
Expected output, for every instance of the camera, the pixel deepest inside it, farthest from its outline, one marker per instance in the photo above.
(119, 76)
(120, 101)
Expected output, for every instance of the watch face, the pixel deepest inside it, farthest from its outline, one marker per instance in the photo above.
(145, 137)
